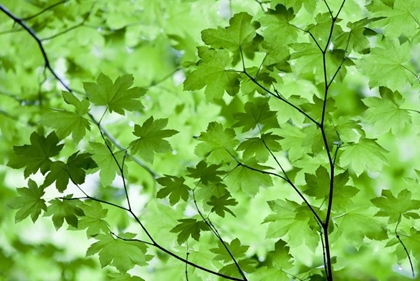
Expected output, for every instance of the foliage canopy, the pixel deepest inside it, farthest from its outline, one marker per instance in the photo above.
(210, 140)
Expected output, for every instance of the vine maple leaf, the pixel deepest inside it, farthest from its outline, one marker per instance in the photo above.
(151, 138)
(213, 74)
(174, 187)
(117, 96)
(240, 32)
(36, 156)
(189, 228)
(367, 154)
(29, 202)
(123, 255)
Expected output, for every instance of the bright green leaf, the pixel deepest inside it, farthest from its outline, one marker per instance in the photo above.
(189, 228)
(29, 202)
(36, 156)
(121, 254)
(174, 187)
(151, 137)
(117, 96)
(213, 73)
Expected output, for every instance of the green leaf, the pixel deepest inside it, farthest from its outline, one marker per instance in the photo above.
(36, 156)
(394, 208)
(384, 114)
(93, 219)
(236, 249)
(307, 59)
(123, 255)
(239, 33)
(217, 145)
(256, 113)
(318, 185)
(254, 147)
(213, 74)
(106, 162)
(189, 228)
(280, 256)
(174, 187)
(246, 265)
(248, 180)
(66, 123)
(29, 202)
(151, 138)
(278, 29)
(64, 209)
(219, 204)
(367, 154)
(82, 106)
(74, 170)
(206, 173)
(388, 66)
(352, 226)
(292, 221)
(117, 96)
(394, 17)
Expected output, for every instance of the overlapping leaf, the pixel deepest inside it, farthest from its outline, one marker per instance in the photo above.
(214, 73)
(117, 96)
(123, 255)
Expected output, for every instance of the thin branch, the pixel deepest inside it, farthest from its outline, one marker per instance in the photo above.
(184, 260)
(44, 10)
(405, 249)
(216, 233)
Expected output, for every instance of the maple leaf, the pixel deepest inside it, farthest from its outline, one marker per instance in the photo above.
(246, 265)
(93, 219)
(123, 255)
(65, 209)
(247, 180)
(385, 114)
(151, 138)
(307, 59)
(174, 187)
(367, 154)
(36, 156)
(388, 65)
(66, 123)
(278, 29)
(206, 173)
(82, 106)
(189, 228)
(216, 143)
(395, 19)
(393, 207)
(219, 204)
(117, 96)
(256, 113)
(106, 161)
(212, 74)
(240, 32)
(74, 170)
(352, 226)
(280, 256)
(254, 147)
(318, 184)
(236, 249)
(293, 221)
(29, 202)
